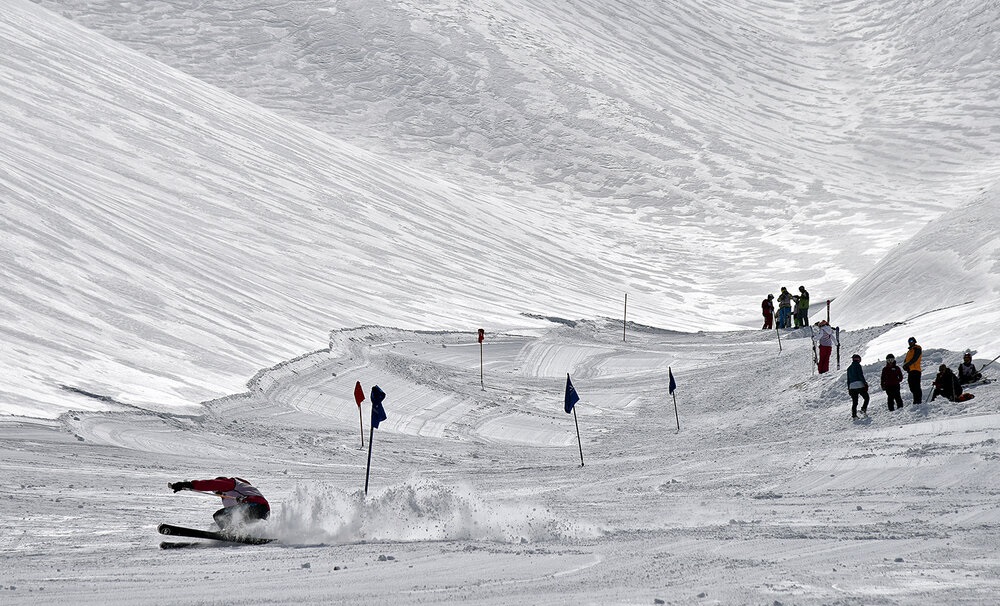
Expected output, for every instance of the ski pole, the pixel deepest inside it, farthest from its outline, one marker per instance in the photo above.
(988, 363)
(812, 337)
(838, 348)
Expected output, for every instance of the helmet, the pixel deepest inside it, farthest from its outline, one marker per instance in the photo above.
(890, 357)
(856, 357)
(911, 340)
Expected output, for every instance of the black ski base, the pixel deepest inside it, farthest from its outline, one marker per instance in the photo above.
(180, 544)
(194, 533)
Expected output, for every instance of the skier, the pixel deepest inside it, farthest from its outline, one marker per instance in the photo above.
(857, 386)
(911, 364)
(240, 501)
(784, 308)
(826, 334)
(967, 372)
(946, 384)
(767, 308)
(891, 379)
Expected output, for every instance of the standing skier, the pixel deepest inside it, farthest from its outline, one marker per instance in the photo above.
(857, 386)
(892, 378)
(767, 308)
(825, 339)
(241, 502)
(911, 364)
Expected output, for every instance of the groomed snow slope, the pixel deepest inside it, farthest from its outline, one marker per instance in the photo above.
(454, 166)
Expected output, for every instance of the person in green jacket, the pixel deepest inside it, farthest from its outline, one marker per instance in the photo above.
(802, 307)
(857, 385)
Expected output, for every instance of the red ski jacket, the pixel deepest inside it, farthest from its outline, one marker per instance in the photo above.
(232, 491)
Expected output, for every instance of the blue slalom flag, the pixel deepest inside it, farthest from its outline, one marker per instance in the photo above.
(673, 384)
(571, 396)
(378, 413)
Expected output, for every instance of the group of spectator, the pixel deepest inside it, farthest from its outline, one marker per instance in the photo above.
(946, 384)
(792, 309)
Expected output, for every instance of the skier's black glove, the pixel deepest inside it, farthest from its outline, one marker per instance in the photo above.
(179, 486)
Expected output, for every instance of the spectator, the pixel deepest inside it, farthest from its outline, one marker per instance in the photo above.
(967, 372)
(784, 308)
(946, 384)
(767, 308)
(802, 307)
(857, 386)
(826, 334)
(911, 364)
(892, 378)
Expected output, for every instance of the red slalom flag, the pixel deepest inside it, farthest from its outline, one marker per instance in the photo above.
(359, 397)
(482, 335)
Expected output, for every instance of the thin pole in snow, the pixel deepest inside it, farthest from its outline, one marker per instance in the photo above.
(578, 441)
(988, 363)
(482, 336)
(368, 468)
(676, 416)
(624, 317)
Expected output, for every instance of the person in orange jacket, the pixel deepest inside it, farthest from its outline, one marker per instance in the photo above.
(911, 364)
(241, 502)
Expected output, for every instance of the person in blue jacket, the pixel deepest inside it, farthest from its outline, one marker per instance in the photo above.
(857, 385)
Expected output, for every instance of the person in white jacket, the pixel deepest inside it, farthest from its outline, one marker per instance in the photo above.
(825, 335)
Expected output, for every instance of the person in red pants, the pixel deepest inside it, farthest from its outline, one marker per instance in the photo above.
(241, 502)
(767, 308)
(825, 335)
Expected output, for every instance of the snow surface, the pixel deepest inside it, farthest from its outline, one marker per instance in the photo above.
(342, 191)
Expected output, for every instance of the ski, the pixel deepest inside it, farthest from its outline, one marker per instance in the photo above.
(180, 531)
(180, 544)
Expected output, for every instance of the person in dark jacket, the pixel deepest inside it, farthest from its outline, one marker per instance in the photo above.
(911, 365)
(767, 308)
(946, 384)
(892, 378)
(241, 502)
(967, 372)
(857, 385)
(784, 308)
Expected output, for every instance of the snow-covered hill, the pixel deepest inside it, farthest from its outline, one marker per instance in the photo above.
(452, 166)
(337, 191)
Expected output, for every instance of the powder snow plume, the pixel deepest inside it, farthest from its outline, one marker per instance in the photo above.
(417, 510)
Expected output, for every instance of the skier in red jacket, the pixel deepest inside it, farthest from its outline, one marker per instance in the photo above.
(241, 502)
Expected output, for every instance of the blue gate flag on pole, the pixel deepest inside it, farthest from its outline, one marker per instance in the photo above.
(571, 396)
(378, 413)
(673, 384)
